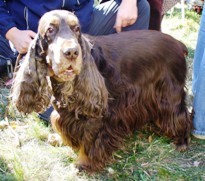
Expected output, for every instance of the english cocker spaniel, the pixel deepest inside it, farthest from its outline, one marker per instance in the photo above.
(103, 88)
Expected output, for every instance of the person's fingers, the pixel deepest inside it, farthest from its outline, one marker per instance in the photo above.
(125, 23)
(118, 25)
(132, 21)
(129, 21)
(23, 51)
(118, 29)
(32, 34)
(23, 48)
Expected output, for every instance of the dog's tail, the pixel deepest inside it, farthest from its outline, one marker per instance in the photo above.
(184, 48)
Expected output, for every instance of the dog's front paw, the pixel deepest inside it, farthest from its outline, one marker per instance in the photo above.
(89, 167)
(83, 168)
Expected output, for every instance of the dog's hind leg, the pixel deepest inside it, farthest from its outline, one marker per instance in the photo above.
(173, 118)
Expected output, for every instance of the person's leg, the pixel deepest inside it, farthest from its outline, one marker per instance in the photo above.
(199, 52)
(198, 84)
(155, 14)
(199, 102)
(104, 17)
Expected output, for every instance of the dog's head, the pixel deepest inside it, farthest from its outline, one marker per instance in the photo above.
(62, 54)
(60, 30)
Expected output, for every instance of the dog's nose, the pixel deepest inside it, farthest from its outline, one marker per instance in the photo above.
(71, 53)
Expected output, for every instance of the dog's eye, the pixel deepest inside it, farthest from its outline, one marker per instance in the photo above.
(51, 30)
(50, 33)
(76, 29)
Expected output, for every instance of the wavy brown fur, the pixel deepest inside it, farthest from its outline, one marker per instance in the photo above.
(29, 90)
(119, 83)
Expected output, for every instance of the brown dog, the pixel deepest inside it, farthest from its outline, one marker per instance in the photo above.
(103, 88)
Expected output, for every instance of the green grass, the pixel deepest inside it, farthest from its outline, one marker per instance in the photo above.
(183, 30)
(25, 154)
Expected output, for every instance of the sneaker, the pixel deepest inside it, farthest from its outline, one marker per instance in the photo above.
(202, 137)
(46, 115)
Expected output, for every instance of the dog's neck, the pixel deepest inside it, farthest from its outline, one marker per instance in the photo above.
(62, 92)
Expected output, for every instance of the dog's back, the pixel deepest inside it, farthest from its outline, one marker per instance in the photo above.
(138, 54)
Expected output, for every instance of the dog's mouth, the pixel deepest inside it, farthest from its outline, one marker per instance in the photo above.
(66, 75)
(69, 71)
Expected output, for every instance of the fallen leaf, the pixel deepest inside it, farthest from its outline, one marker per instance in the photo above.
(14, 124)
(196, 163)
(150, 139)
(3, 124)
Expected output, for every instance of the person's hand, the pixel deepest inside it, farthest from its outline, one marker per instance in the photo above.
(20, 39)
(126, 15)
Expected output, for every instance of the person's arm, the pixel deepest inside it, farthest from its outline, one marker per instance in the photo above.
(126, 15)
(20, 39)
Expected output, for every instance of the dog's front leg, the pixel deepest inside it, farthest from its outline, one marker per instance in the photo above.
(88, 162)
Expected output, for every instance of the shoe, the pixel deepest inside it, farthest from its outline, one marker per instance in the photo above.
(46, 115)
(202, 137)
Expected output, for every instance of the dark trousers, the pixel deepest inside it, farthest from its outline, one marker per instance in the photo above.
(155, 14)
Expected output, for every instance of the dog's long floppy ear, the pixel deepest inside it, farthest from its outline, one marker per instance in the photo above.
(30, 90)
(93, 95)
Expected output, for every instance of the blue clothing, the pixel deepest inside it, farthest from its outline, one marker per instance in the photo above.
(25, 14)
(198, 84)
(98, 20)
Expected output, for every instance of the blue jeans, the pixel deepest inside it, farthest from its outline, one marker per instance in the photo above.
(102, 23)
(198, 84)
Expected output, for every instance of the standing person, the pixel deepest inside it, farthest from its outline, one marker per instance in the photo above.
(198, 84)
(19, 19)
